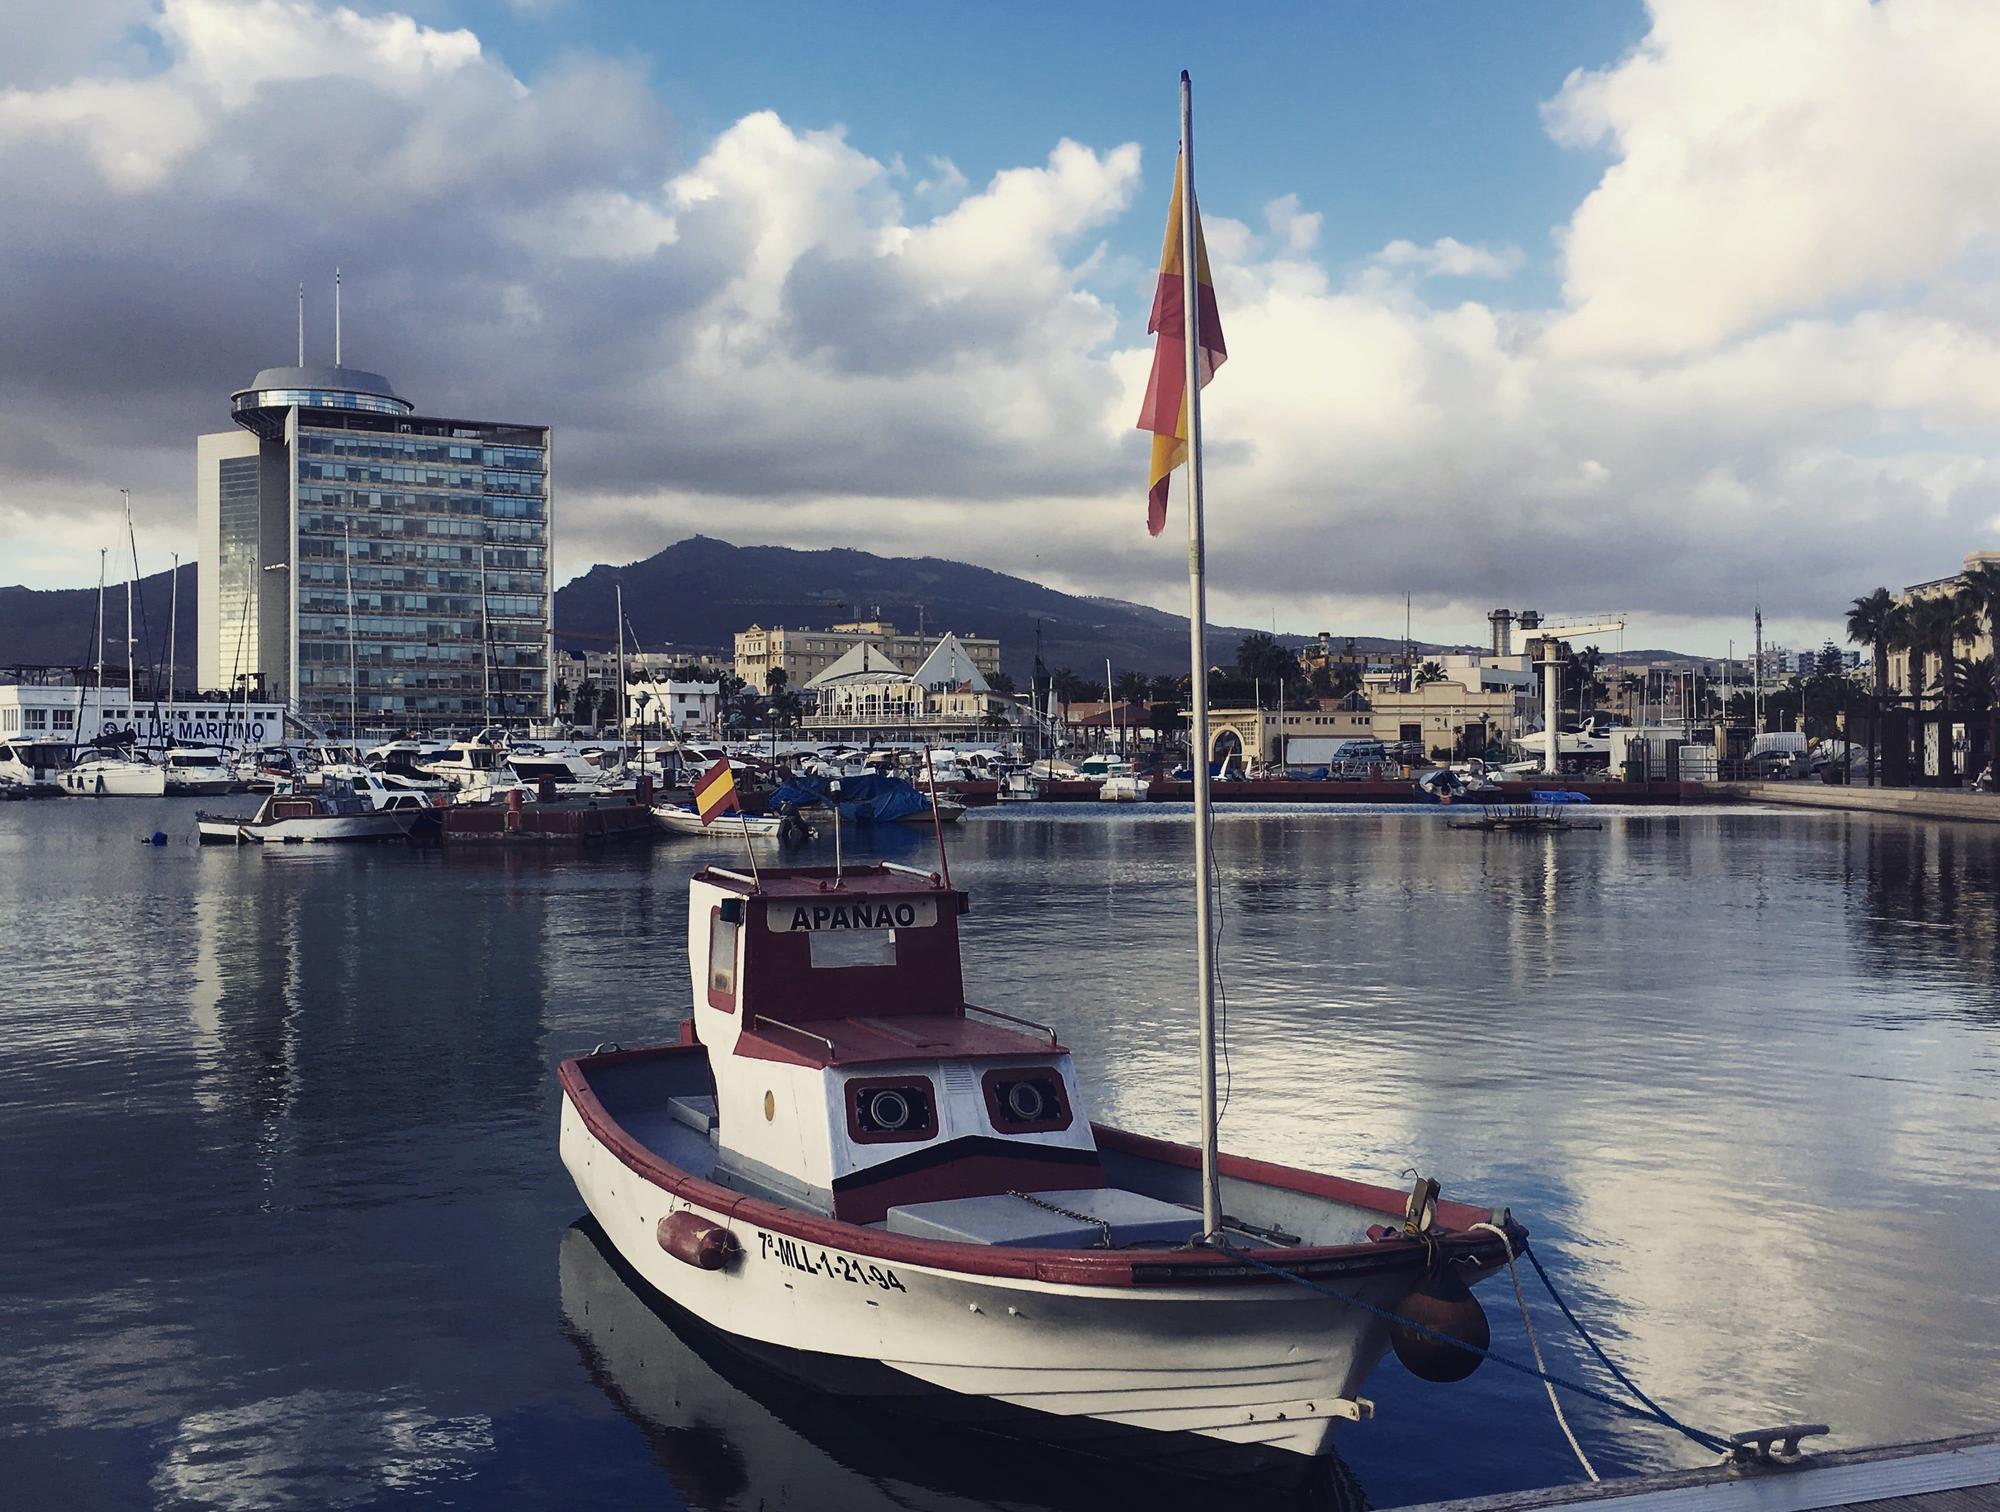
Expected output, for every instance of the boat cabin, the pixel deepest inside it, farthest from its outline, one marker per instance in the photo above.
(852, 1076)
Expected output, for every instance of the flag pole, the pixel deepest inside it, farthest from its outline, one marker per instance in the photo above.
(1211, 1186)
(744, 819)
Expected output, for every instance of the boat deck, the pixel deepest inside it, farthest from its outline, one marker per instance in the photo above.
(1941, 1475)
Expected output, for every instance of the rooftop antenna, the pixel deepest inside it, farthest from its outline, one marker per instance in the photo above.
(336, 320)
(302, 325)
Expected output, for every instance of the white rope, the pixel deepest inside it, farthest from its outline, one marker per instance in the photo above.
(1549, 1386)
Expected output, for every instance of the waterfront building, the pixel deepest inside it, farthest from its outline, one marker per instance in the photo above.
(1450, 718)
(70, 713)
(866, 695)
(1263, 735)
(803, 654)
(367, 563)
(1904, 679)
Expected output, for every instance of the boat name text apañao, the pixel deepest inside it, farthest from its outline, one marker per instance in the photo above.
(914, 913)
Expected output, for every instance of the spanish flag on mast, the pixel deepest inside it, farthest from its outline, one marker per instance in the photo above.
(1165, 412)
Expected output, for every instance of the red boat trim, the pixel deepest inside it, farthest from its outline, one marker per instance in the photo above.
(1062, 1267)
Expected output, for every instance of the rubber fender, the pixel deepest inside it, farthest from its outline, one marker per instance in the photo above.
(1441, 1303)
(695, 1240)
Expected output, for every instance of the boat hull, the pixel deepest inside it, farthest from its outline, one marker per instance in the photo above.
(319, 829)
(116, 781)
(675, 820)
(1267, 1368)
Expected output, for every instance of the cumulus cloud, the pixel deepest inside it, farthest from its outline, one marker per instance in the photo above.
(1764, 377)
(1774, 157)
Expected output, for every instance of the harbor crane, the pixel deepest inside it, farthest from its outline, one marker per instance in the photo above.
(1548, 649)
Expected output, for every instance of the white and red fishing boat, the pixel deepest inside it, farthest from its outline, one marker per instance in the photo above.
(845, 1162)
(854, 1172)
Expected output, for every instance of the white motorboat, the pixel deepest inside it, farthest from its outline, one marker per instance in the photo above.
(35, 765)
(335, 811)
(1124, 787)
(115, 774)
(681, 819)
(842, 1159)
(198, 771)
(1018, 787)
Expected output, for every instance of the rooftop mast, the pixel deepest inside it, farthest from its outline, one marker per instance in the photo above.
(302, 325)
(336, 320)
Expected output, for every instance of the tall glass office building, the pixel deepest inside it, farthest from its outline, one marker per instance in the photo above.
(376, 567)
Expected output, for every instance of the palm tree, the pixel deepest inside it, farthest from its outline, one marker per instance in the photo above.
(1874, 620)
(1429, 672)
(1981, 594)
(1934, 627)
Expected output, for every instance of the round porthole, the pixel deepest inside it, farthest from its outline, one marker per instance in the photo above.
(770, 1107)
(1026, 1102)
(889, 1110)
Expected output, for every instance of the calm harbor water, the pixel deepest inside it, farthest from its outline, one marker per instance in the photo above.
(286, 1226)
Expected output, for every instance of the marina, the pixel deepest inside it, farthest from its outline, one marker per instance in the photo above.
(196, 1071)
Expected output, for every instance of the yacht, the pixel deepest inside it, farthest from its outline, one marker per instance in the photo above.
(198, 770)
(115, 774)
(34, 765)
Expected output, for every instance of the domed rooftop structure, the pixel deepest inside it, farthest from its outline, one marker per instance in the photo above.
(321, 387)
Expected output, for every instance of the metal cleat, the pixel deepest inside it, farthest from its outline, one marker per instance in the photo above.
(1772, 1446)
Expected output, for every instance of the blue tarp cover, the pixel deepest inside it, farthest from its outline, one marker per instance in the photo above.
(1556, 795)
(863, 800)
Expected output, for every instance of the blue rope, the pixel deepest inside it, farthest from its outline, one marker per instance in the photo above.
(1656, 1413)
(1584, 1334)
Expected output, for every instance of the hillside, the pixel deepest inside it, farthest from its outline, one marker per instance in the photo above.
(700, 592)
(51, 628)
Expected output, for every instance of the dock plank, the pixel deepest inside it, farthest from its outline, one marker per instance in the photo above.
(1942, 1475)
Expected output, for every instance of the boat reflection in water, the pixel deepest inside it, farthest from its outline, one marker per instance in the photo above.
(732, 1433)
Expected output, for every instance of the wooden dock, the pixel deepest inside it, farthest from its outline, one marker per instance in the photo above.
(1943, 1475)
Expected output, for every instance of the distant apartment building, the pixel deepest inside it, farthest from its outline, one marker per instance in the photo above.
(803, 654)
(1906, 679)
(367, 564)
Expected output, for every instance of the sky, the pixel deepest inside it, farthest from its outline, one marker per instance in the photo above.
(1655, 312)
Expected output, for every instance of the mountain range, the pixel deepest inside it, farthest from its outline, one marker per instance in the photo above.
(699, 592)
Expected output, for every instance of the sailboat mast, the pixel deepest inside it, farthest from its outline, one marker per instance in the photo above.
(619, 589)
(1110, 709)
(1211, 1188)
(173, 639)
(353, 686)
(131, 641)
(485, 639)
(101, 555)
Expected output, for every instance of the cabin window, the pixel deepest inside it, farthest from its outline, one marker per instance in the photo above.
(722, 961)
(859, 947)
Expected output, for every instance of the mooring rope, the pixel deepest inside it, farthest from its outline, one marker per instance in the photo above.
(1521, 1298)
(1652, 1412)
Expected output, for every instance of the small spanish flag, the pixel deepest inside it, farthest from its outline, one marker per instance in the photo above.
(715, 792)
(1165, 412)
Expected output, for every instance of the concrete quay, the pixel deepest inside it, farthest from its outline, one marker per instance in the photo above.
(1914, 803)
